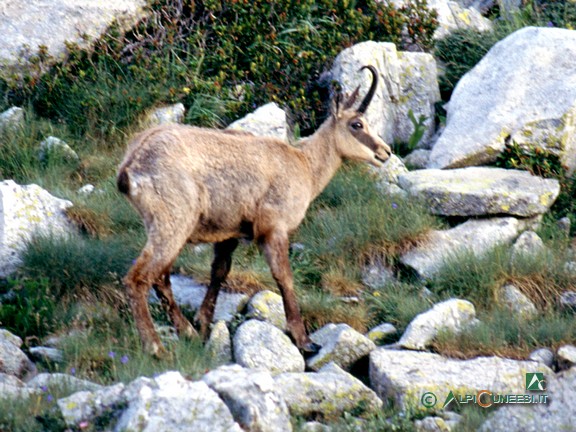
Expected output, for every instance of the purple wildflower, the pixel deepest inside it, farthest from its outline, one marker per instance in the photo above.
(124, 359)
(112, 354)
(394, 205)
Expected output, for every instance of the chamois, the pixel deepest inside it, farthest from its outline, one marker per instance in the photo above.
(198, 185)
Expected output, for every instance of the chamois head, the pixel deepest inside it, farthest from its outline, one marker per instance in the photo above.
(354, 140)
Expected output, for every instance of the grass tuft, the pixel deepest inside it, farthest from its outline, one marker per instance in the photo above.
(502, 334)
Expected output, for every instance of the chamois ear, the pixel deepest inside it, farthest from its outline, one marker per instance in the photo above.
(352, 99)
(337, 98)
(336, 103)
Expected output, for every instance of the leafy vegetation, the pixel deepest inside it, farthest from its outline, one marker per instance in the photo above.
(220, 58)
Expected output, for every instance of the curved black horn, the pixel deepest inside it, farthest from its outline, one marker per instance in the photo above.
(370, 94)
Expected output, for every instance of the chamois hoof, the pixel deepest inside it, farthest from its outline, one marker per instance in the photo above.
(187, 331)
(158, 351)
(310, 349)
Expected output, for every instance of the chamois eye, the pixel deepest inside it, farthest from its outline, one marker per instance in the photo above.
(357, 125)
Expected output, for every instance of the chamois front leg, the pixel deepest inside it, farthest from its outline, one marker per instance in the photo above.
(220, 269)
(275, 246)
(164, 292)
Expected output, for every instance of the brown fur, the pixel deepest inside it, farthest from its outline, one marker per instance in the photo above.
(202, 185)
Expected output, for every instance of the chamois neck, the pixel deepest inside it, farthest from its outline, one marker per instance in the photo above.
(322, 156)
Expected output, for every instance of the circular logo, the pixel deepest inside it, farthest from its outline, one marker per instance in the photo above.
(428, 399)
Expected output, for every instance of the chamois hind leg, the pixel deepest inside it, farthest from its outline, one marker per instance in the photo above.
(275, 246)
(138, 283)
(220, 269)
(163, 289)
(155, 261)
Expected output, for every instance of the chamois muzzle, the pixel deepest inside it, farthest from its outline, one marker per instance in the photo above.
(368, 98)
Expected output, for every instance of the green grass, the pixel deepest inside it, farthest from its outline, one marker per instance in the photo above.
(35, 414)
(504, 334)
(397, 303)
(108, 350)
(352, 222)
(33, 310)
(79, 264)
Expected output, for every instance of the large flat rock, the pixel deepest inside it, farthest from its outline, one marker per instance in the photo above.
(406, 376)
(480, 191)
(476, 236)
(557, 415)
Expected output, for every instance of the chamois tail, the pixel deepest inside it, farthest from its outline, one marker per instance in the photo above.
(123, 182)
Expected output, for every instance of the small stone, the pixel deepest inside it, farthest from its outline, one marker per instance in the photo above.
(340, 344)
(86, 189)
(381, 332)
(431, 424)
(564, 224)
(391, 170)
(219, 345)
(418, 159)
(57, 147)
(85, 406)
(452, 315)
(47, 354)
(481, 191)
(12, 118)
(189, 294)
(529, 244)
(568, 300)
(12, 387)
(267, 306)
(260, 345)
(62, 380)
(13, 361)
(164, 115)
(315, 426)
(268, 120)
(330, 392)
(543, 355)
(252, 397)
(377, 275)
(170, 402)
(517, 301)
(567, 355)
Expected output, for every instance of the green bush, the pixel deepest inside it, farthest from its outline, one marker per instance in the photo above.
(556, 13)
(548, 165)
(79, 264)
(219, 57)
(32, 309)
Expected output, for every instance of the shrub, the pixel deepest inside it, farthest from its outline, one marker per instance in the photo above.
(79, 265)
(31, 310)
(219, 57)
(546, 164)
